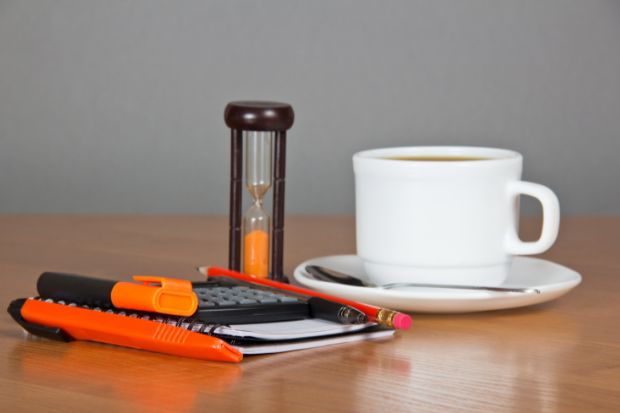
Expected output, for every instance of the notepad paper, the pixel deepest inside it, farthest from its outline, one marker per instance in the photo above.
(265, 338)
(282, 336)
(374, 333)
(289, 330)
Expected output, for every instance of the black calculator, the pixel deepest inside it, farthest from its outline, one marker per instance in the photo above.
(224, 300)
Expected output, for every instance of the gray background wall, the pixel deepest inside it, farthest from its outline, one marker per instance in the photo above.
(116, 106)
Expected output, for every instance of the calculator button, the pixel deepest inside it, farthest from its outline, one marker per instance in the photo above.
(285, 299)
(228, 302)
(267, 300)
(247, 301)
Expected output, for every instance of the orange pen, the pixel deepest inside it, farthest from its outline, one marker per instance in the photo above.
(85, 324)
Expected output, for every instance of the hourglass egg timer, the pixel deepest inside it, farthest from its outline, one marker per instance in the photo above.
(255, 240)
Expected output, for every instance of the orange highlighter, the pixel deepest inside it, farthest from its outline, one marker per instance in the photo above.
(154, 294)
(66, 323)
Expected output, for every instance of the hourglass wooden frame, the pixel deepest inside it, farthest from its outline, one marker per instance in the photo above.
(258, 116)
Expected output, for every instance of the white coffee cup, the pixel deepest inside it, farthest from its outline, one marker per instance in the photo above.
(444, 221)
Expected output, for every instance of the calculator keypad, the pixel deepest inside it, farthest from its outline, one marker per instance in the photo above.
(224, 300)
(239, 295)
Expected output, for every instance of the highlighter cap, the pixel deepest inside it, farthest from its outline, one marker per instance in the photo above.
(156, 294)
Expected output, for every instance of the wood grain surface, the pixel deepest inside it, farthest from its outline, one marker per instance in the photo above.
(562, 356)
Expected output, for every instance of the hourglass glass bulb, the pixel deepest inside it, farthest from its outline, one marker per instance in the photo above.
(256, 222)
(258, 154)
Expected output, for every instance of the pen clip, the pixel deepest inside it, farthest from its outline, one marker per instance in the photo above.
(156, 294)
(52, 333)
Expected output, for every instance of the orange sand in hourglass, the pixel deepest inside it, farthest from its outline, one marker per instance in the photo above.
(256, 253)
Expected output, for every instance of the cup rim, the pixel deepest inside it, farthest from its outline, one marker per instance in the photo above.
(496, 154)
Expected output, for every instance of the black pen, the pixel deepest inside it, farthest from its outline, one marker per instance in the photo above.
(337, 312)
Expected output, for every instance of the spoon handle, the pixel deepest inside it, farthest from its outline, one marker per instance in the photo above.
(462, 287)
(325, 274)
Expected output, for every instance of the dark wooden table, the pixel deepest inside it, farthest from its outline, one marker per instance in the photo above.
(560, 356)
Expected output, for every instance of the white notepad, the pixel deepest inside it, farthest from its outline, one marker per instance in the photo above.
(265, 338)
(289, 330)
(282, 346)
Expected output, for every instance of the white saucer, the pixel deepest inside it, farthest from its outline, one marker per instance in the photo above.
(551, 279)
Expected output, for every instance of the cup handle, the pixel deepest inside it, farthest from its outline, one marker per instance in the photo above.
(551, 218)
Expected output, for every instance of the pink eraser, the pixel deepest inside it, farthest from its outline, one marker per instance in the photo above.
(401, 321)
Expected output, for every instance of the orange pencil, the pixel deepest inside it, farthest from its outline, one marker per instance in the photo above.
(384, 316)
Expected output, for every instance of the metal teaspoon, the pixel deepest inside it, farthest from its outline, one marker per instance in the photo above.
(325, 274)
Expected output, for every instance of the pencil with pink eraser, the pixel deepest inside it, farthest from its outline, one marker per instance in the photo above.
(383, 316)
